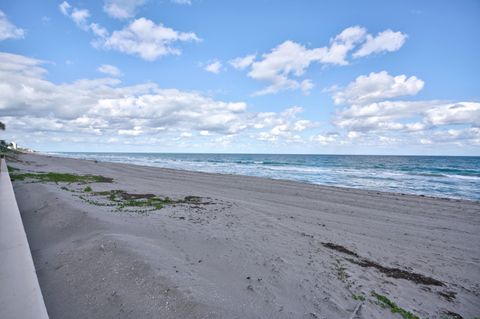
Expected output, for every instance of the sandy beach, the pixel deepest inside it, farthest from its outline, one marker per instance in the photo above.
(225, 246)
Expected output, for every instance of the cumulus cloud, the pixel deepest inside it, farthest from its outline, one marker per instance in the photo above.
(289, 58)
(324, 139)
(8, 30)
(241, 63)
(65, 8)
(110, 111)
(136, 131)
(98, 30)
(285, 125)
(378, 86)
(186, 134)
(214, 67)
(420, 115)
(284, 64)
(386, 41)
(372, 109)
(122, 9)
(342, 44)
(455, 113)
(110, 70)
(146, 39)
(379, 115)
(141, 37)
(79, 16)
(461, 137)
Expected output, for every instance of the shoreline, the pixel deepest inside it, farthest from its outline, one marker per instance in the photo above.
(235, 246)
(345, 188)
(306, 154)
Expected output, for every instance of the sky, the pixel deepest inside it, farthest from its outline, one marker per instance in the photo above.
(263, 76)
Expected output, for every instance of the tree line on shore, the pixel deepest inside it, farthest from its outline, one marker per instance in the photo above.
(3, 144)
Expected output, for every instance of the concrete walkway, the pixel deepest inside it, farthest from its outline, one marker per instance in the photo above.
(20, 294)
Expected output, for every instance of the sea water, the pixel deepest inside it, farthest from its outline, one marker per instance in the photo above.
(440, 176)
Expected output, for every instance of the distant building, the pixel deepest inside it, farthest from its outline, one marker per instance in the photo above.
(12, 146)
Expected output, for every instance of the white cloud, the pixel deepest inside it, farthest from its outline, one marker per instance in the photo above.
(98, 30)
(425, 141)
(381, 115)
(224, 140)
(122, 9)
(372, 118)
(9, 30)
(135, 132)
(241, 63)
(284, 126)
(186, 134)
(466, 137)
(463, 137)
(214, 67)
(455, 113)
(378, 86)
(146, 39)
(141, 37)
(110, 70)
(290, 60)
(352, 135)
(386, 41)
(80, 16)
(342, 44)
(391, 115)
(65, 8)
(110, 111)
(324, 139)
(306, 86)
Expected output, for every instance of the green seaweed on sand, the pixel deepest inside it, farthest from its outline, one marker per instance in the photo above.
(61, 177)
(341, 273)
(398, 273)
(94, 202)
(388, 271)
(384, 302)
(125, 201)
(153, 202)
(87, 189)
(358, 297)
(11, 169)
(339, 248)
(102, 193)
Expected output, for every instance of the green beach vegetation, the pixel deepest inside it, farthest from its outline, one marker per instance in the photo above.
(59, 177)
(384, 302)
(123, 200)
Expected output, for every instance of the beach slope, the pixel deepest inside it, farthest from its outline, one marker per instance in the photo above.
(143, 242)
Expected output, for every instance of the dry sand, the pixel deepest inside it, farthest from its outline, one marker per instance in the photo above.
(253, 248)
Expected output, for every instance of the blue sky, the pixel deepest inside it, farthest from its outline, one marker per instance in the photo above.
(362, 77)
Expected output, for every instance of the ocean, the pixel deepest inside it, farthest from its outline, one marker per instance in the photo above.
(439, 176)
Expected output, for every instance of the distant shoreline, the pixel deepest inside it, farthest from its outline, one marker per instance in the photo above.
(306, 154)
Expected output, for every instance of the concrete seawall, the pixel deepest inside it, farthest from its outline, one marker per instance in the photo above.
(20, 294)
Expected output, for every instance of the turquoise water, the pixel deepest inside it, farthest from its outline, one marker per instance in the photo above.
(441, 176)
